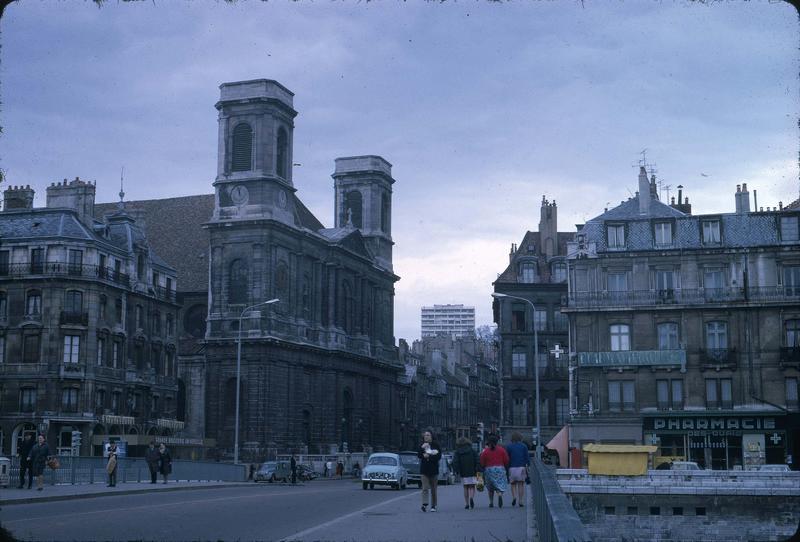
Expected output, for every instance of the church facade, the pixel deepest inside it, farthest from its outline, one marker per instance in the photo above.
(319, 370)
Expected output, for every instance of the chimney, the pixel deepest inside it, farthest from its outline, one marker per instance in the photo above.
(755, 201)
(738, 199)
(77, 195)
(744, 199)
(682, 204)
(548, 228)
(18, 197)
(644, 192)
(653, 187)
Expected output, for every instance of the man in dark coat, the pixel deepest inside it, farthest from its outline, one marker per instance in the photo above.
(24, 462)
(293, 466)
(152, 456)
(429, 454)
(38, 458)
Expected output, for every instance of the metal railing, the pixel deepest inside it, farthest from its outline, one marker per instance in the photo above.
(681, 296)
(63, 269)
(89, 470)
(556, 519)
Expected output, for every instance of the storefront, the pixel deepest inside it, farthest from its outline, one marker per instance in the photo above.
(720, 442)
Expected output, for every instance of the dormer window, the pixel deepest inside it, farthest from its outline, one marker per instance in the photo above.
(616, 235)
(663, 234)
(527, 272)
(789, 228)
(711, 232)
(559, 273)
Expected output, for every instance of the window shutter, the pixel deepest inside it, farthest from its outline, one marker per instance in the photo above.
(242, 148)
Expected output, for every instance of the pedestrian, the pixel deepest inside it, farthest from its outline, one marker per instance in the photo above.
(518, 461)
(293, 466)
(111, 464)
(429, 454)
(164, 461)
(339, 469)
(494, 461)
(24, 462)
(152, 456)
(467, 465)
(38, 459)
(327, 469)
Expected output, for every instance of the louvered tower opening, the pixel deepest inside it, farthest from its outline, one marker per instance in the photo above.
(242, 148)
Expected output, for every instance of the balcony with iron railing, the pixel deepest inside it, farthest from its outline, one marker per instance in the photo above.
(790, 355)
(718, 358)
(75, 318)
(633, 358)
(680, 297)
(63, 269)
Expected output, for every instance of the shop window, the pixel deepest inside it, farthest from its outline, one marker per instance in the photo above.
(791, 393)
(620, 336)
(668, 336)
(519, 362)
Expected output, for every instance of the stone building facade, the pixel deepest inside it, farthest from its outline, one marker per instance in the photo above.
(319, 370)
(87, 325)
(685, 330)
(537, 272)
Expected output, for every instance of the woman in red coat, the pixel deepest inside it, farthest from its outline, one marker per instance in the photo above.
(494, 460)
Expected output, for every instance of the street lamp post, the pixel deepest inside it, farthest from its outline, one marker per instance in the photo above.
(239, 377)
(535, 366)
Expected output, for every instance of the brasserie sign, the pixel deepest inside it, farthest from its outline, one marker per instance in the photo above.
(703, 425)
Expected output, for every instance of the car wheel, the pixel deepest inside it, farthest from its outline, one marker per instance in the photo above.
(419, 484)
(364, 485)
(372, 486)
(403, 485)
(272, 478)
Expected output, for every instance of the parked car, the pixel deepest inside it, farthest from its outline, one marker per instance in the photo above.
(410, 461)
(273, 471)
(384, 469)
(774, 468)
(307, 473)
(685, 465)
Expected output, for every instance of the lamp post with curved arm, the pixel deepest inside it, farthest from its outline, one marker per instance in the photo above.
(535, 364)
(239, 376)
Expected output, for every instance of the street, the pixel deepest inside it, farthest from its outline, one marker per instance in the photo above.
(322, 510)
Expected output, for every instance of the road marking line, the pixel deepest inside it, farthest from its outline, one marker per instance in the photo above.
(301, 534)
(158, 505)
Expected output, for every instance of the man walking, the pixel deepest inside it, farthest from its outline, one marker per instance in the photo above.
(25, 464)
(152, 456)
(111, 465)
(293, 466)
(429, 454)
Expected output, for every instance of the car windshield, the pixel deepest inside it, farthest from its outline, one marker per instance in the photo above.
(382, 460)
(409, 459)
(267, 466)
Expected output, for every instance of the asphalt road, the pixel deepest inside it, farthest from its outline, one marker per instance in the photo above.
(338, 510)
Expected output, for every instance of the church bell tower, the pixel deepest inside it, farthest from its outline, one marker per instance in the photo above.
(254, 166)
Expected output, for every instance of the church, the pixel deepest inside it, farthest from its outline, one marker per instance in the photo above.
(319, 369)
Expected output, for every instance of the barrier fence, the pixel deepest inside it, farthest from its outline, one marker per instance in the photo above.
(89, 470)
(556, 519)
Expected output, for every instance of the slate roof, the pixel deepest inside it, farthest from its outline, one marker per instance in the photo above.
(794, 205)
(42, 223)
(738, 230)
(532, 238)
(174, 229)
(628, 210)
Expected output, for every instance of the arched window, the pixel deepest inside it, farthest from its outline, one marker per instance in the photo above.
(527, 272)
(282, 154)
(238, 282)
(353, 209)
(242, 148)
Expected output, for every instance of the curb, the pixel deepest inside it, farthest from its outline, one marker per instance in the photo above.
(530, 524)
(34, 500)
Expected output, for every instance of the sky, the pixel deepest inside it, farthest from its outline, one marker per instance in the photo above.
(481, 107)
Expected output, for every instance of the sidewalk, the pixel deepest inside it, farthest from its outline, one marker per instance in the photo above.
(400, 518)
(12, 495)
